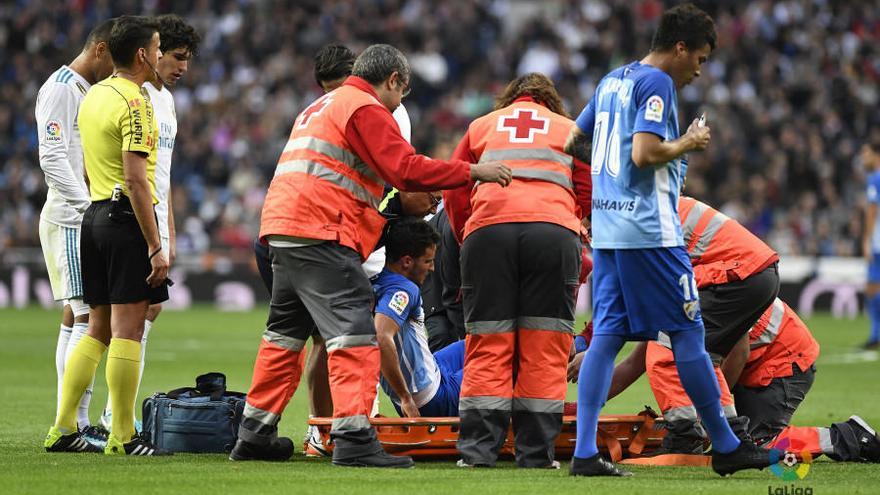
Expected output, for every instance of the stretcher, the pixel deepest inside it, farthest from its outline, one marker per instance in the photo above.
(628, 439)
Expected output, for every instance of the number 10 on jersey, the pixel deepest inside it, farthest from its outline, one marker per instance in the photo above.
(689, 286)
(606, 149)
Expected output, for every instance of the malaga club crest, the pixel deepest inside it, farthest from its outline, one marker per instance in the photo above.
(692, 309)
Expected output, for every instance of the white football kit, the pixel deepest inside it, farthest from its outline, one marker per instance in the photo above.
(61, 159)
(166, 120)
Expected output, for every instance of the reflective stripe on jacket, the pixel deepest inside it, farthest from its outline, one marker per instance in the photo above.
(529, 139)
(721, 250)
(778, 340)
(322, 189)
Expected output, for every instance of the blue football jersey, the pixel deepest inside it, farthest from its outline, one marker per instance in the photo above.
(632, 207)
(399, 298)
(874, 197)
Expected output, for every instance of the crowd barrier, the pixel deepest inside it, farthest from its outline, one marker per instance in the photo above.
(230, 282)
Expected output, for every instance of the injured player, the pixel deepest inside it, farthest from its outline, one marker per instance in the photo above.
(419, 383)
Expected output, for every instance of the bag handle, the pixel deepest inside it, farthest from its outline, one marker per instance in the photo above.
(177, 392)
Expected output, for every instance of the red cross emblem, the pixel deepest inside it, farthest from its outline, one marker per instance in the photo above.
(523, 125)
(313, 110)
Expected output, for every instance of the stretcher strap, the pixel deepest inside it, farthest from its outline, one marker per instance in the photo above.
(615, 451)
(637, 445)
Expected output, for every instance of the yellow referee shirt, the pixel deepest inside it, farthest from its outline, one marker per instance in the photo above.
(116, 116)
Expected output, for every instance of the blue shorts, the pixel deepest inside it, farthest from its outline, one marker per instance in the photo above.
(450, 360)
(640, 292)
(874, 269)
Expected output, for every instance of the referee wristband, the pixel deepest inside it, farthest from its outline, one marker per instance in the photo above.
(156, 252)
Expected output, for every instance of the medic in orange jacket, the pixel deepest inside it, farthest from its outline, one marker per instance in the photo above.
(520, 260)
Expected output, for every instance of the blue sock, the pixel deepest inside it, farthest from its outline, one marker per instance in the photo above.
(874, 315)
(701, 384)
(594, 380)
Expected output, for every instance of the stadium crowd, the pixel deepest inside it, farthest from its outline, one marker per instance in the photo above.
(786, 128)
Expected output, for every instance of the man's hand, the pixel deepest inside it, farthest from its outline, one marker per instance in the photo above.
(698, 134)
(574, 367)
(491, 172)
(408, 406)
(159, 273)
(172, 251)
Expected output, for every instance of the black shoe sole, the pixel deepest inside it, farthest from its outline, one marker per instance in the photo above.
(356, 463)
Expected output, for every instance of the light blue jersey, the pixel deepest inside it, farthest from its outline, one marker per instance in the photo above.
(633, 208)
(399, 298)
(874, 198)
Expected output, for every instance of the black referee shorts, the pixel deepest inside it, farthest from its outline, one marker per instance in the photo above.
(729, 310)
(115, 258)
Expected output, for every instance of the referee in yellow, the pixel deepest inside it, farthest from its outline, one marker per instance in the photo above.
(123, 264)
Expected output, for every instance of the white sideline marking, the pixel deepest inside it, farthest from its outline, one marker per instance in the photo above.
(852, 358)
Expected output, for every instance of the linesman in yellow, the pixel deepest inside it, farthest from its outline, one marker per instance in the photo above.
(124, 268)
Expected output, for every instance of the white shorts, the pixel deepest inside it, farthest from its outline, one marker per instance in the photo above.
(61, 252)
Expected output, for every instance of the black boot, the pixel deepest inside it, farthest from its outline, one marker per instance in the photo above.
(594, 466)
(380, 459)
(683, 436)
(279, 449)
(740, 427)
(869, 443)
(746, 456)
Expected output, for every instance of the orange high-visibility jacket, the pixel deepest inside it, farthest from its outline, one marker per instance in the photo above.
(778, 340)
(322, 189)
(529, 139)
(721, 250)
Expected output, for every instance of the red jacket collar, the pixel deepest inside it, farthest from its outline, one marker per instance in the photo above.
(361, 84)
(528, 99)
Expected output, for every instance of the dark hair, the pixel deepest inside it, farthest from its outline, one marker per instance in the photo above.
(333, 62)
(873, 142)
(378, 62)
(175, 33)
(536, 85)
(129, 34)
(101, 32)
(686, 23)
(408, 236)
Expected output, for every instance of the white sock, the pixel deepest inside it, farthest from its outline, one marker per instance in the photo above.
(60, 350)
(147, 326)
(375, 411)
(82, 413)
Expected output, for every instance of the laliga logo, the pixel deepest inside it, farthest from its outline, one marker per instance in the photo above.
(789, 469)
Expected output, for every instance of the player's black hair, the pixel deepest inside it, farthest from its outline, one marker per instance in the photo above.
(409, 236)
(130, 33)
(686, 23)
(333, 62)
(101, 32)
(175, 33)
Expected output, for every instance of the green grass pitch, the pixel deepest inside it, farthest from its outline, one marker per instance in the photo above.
(185, 344)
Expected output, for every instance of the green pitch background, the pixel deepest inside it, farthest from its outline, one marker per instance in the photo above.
(185, 344)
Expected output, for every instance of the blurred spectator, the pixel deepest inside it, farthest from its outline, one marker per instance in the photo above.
(791, 93)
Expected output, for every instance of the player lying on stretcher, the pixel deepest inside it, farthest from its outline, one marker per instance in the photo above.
(418, 382)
